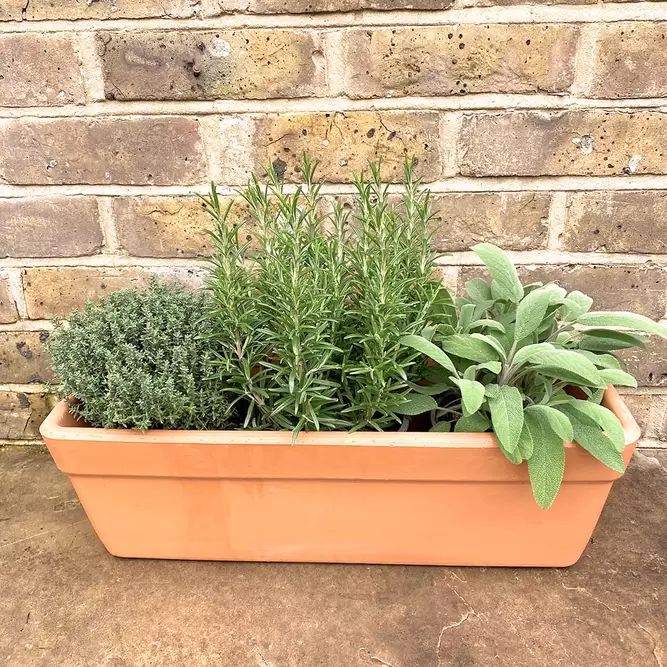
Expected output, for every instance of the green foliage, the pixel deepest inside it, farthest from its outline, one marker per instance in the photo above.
(308, 326)
(141, 360)
(539, 345)
(338, 322)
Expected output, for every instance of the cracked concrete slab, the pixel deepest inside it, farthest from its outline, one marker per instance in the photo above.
(64, 601)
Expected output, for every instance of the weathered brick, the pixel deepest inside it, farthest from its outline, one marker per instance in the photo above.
(650, 412)
(175, 226)
(56, 291)
(617, 222)
(11, 10)
(126, 151)
(43, 10)
(344, 143)
(503, 3)
(197, 65)
(23, 358)
(49, 227)
(449, 276)
(39, 70)
(641, 406)
(8, 312)
(648, 366)
(455, 60)
(163, 226)
(641, 289)
(630, 61)
(21, 414)
(512, 220)
(312, 6)
(536, 143)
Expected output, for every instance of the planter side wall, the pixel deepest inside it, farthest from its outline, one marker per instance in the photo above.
(437, 499)
(346, 521)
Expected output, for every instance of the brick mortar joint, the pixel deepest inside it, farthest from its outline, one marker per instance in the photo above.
(528, 13)
(471, 103)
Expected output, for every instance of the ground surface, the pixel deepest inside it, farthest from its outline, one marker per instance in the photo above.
(65, 602)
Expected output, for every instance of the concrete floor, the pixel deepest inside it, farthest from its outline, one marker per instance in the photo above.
(65, 602)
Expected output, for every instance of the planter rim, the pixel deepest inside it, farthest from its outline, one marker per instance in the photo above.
(61, 425)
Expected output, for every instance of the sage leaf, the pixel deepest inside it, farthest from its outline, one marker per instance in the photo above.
(487, 324)
(569, 361)
(469, 346)
(523, 354)
(478, 290)
(597, 415)
(429, 349)
(507, 416)
(606, 340)
(618, 377)
(430, 389)
(472, 395)
(493, 366)
(476, 423)
(530, 312)
(553, 419)
(601, 360)
(582, 300)
(546, 466)
(514, 457)
(622, 319)
(491, 390)
(502, 271)
(596, 443)
(494, 342)
(441, 427)
(526, 445)
(416, 404)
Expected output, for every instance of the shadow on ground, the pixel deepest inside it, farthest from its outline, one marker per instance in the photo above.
(64, 602)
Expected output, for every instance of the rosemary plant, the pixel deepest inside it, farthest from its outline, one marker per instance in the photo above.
(308, 327)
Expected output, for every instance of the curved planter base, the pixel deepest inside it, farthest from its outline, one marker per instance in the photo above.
(405, 498)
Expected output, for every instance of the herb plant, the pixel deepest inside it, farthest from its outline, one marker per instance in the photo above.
(141, 359)
(530, 363)
(308, 325)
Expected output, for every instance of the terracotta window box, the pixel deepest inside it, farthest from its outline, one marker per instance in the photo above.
(422, 498)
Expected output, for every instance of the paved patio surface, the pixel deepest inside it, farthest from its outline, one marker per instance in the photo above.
(65, 602)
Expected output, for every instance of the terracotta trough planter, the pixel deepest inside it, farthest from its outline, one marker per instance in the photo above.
(423, 498)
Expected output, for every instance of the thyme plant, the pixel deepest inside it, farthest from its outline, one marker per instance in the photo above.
(141, 359)
(308, 326)
(530, 363)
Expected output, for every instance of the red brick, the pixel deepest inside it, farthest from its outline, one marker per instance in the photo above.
(344, 143)
(49, 10)
(21, 414)
(512, 220)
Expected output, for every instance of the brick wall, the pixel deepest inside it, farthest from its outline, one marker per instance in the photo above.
(540, 127)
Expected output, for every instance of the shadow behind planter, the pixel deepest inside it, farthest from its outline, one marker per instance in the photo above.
(408, 498)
